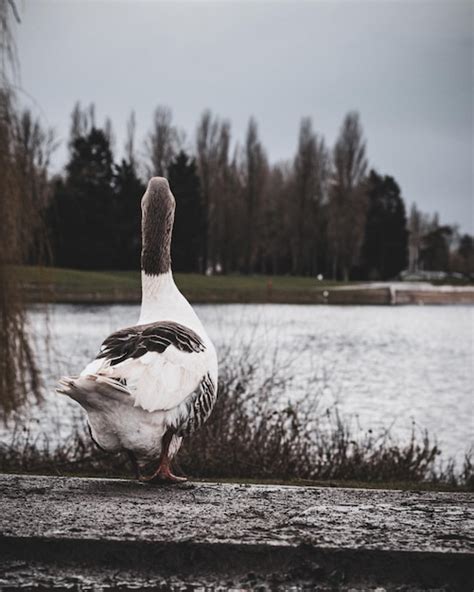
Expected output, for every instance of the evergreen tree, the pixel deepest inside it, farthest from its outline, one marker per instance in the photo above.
(86, 235)
(129, 190)
(385, 247)
(435, 254)
(187, 247)
(466, 253)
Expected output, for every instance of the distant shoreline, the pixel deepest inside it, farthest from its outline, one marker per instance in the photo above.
(54, 285)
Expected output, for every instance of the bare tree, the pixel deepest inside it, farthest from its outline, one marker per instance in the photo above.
(276, 229)
(212, 148)
(347, 205)
(311, 169)
(130, 141)
(8, 52)
(109, 133)
(255, 172)
(33, 147)
(82, 121)
(415, 237)
(162, 142)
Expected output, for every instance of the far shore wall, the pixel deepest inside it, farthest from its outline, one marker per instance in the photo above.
(347, 296)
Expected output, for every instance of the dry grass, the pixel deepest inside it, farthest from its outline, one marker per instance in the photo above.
(249, 437)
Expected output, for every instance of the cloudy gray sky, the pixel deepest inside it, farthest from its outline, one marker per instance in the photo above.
(407, 67)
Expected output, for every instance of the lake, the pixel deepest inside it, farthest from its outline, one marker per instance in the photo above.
(382, 367)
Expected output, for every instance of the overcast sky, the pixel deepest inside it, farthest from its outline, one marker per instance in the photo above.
(407, 67)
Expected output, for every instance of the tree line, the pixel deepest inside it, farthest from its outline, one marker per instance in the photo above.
(323, 212)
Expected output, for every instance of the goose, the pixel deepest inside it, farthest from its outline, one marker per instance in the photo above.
(153, 383)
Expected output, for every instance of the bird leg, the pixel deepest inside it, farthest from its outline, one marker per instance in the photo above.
(133, 460)
(163, 473)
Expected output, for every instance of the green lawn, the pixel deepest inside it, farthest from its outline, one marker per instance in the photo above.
(78, 281)
(51, 283)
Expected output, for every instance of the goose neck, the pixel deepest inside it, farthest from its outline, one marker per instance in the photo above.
(158, 288)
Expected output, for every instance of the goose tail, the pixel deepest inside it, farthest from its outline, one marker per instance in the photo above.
(88, 390)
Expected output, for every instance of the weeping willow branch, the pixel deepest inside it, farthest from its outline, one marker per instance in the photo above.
(14, 10)
(22, 188)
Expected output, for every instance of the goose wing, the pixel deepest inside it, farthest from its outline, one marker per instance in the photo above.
(160, 364)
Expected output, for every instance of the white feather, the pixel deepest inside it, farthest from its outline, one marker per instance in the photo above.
(157, 381)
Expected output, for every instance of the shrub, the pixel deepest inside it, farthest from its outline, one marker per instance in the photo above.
(251, 436)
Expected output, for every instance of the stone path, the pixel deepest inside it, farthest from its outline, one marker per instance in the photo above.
(118, 533)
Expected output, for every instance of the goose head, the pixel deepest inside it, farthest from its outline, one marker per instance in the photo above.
(158, 199)
(158, 205)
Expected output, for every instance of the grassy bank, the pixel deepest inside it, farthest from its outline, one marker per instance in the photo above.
(73, 286)
(68, 285)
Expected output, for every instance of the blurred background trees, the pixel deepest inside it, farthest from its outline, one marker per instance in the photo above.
(86, 206)
(385, 245)
(310, 185)
(320, 213)
(348, 198)
(188, 236)
(162, 142)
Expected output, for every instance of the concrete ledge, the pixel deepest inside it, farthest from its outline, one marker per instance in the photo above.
(223, 534)
(346, 295)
